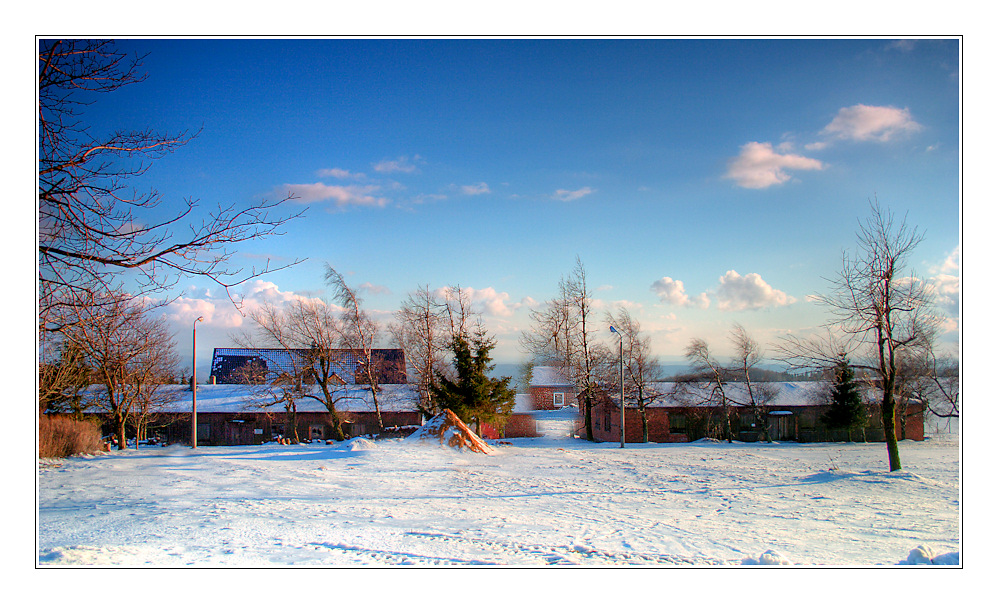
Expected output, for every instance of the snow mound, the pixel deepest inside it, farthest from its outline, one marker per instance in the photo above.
(361, 444)
(923, 554)
(768, 558)
(447, 429)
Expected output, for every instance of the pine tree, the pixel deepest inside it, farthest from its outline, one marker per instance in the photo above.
(847, 411)
(475, 397)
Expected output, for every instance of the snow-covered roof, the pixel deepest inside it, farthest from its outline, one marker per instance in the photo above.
(239, 398)
(549, 376)
(784, 394)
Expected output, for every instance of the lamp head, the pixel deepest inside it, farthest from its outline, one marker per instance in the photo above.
(613, 330)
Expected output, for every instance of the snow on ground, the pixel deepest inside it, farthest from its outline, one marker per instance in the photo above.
(552, 500)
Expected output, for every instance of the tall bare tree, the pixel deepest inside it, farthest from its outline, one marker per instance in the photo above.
(705, 365)
(565, 334)
(308, 332)
(748, 354)
(95, 230)
(128, 351)
(641, 368)
(550, 339)
(419, 330)
(359, 333)
(881, 310)
(941, 386)
(62, 376)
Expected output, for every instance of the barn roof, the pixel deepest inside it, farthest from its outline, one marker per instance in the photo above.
(785, 394)
(238, 398)
(549, 376)
(346, 362)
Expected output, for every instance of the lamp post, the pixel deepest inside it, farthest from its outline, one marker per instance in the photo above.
(621, 338)
(194, 387)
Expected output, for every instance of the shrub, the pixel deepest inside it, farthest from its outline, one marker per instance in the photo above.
(60, 436)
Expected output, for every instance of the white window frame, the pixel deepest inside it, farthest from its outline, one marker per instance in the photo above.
(558, 399)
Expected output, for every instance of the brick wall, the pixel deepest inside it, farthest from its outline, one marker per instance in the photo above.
(543, 396)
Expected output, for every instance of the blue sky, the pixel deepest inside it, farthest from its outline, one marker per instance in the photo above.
(736, 167)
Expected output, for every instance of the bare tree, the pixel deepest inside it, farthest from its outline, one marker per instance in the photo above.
(748, 354)
(275, 391)
(941, 388)
(154, 368)
(550, 340)
(94, 230)
(881, 311)
(641, 368)
(419, 330)
(62, 376)
(359, 333)
(703, 364)
(564, 334)
(127, 351)
(309, 333)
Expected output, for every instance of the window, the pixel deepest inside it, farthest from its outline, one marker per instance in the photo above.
(315, 431)
(559, 399)
(677, 423)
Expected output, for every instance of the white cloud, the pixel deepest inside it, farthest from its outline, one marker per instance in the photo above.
(490, 302)
(376, 290)
(479, 189)
(341, 196)
(341, 174)
(906, 45)
(221, 312)
(428, 197)
(758, 166)
(750, 292)
(566, 195)
(402, 164)
(865, 123)
(673, 292)
(945, 283)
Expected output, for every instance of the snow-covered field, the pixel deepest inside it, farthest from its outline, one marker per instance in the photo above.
(547, 501)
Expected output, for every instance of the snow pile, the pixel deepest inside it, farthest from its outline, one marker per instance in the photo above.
(923, 554)
(361, 444)
(447, 429)
(768, 558)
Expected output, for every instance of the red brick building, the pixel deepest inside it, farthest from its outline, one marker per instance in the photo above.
(792, 414)
(550, 389)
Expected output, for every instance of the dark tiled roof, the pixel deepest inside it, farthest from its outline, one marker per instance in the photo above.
(272, 362)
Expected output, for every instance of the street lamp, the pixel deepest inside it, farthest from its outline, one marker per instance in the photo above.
(194, 387)
(621, 338)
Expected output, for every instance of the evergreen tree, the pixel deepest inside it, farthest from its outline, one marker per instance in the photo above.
(847, 411)
(475, 397)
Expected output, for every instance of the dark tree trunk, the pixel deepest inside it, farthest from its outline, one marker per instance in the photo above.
(644, 424)
(589, 417)
(890, 434)
(119, 428)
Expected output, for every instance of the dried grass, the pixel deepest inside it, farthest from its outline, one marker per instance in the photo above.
(60, 436)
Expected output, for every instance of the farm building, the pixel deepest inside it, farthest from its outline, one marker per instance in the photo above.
(550, 389)
(234, 414)
(521, 424)
(792, 411)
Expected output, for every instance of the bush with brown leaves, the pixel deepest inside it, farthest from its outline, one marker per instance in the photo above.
(60, 436)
